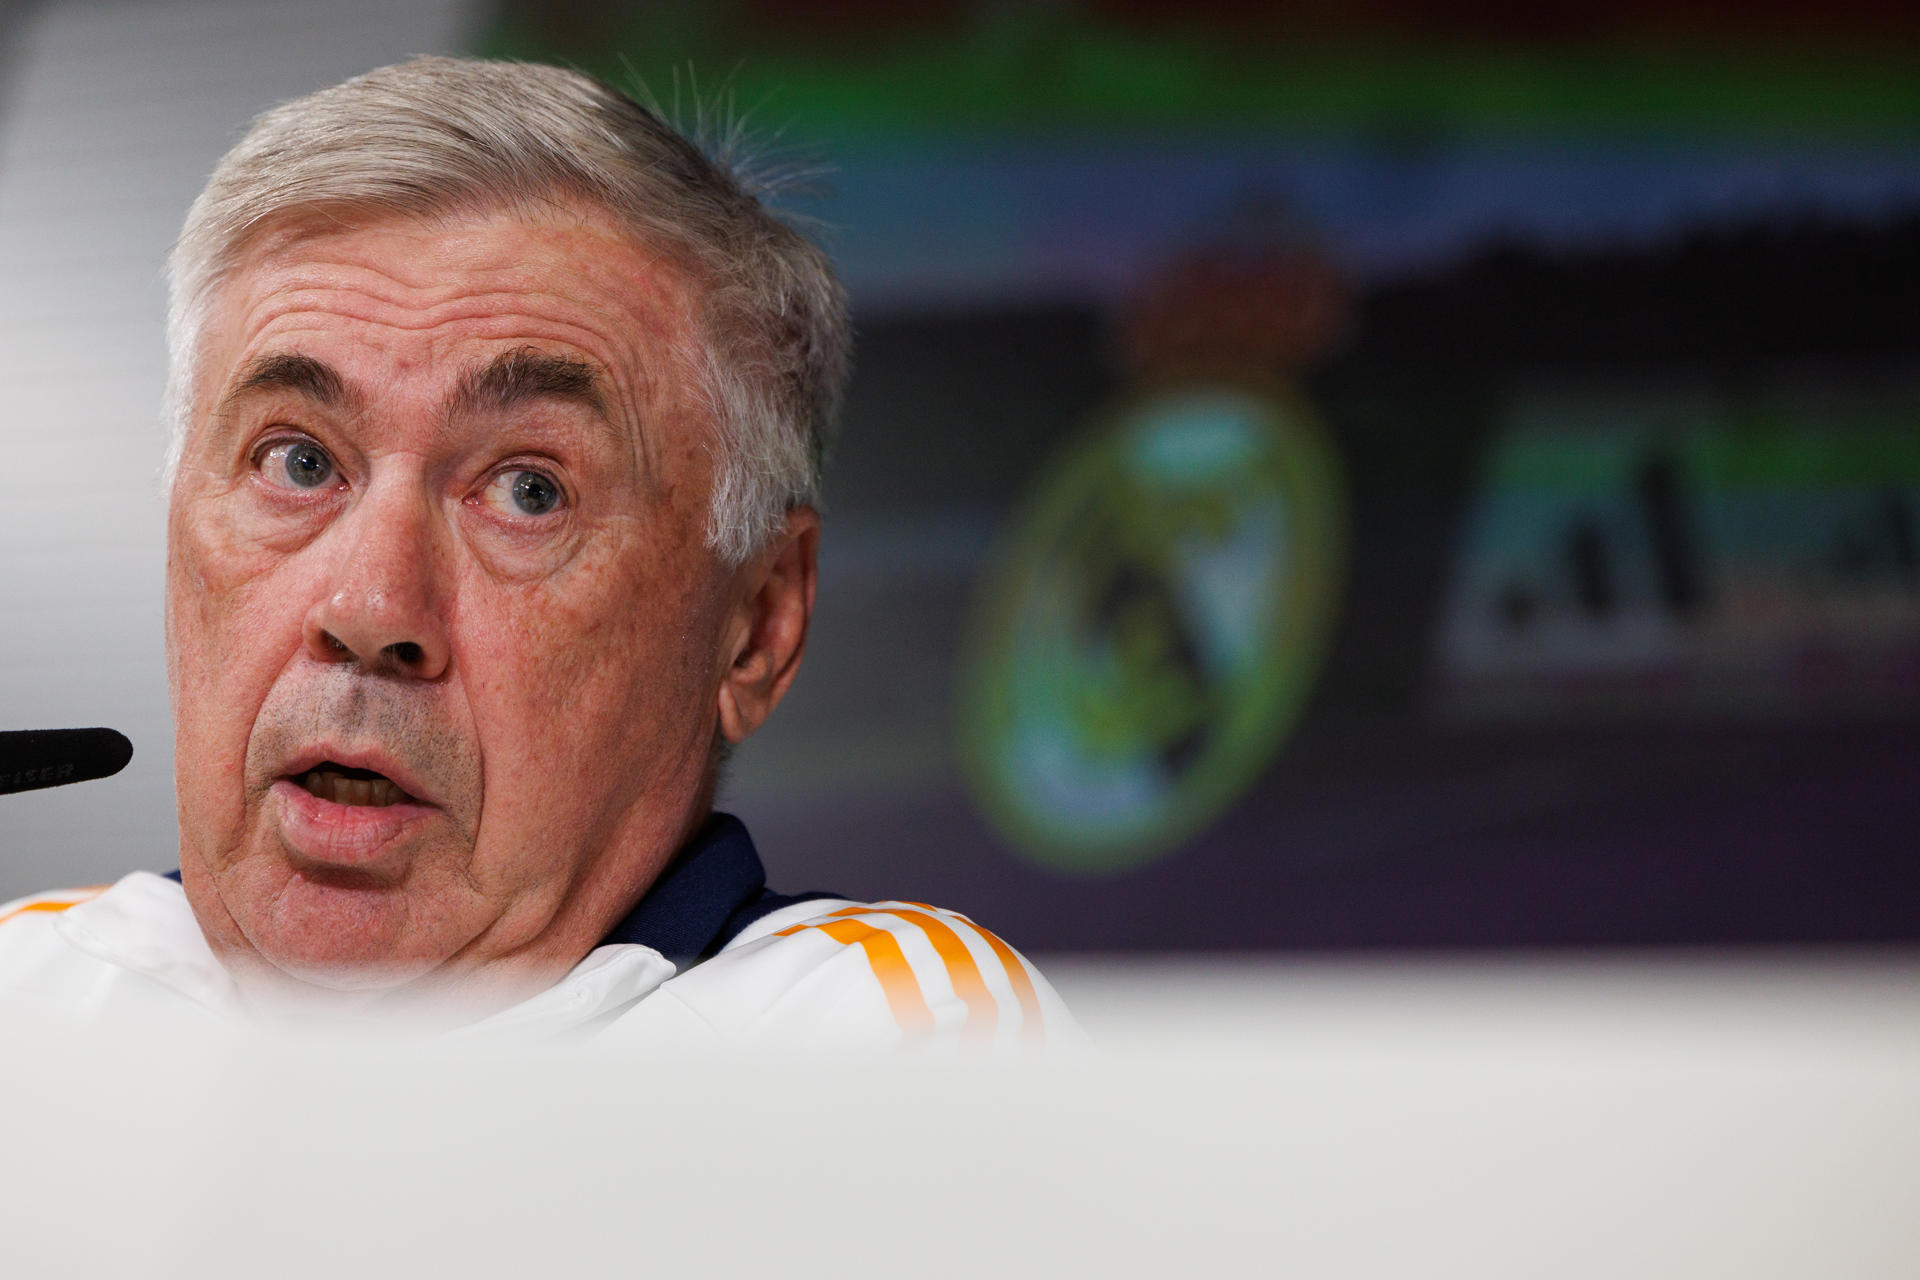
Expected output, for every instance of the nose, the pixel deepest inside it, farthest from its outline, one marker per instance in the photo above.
(382, 603)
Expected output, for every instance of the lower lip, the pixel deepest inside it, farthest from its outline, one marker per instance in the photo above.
(341, 834)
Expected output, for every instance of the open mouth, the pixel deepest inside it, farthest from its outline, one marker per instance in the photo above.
(343, 784)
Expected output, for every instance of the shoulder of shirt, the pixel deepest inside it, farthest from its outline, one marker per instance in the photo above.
(36, 920)
(833, 974)
(34, 954)
(133, 944)
(45, 906)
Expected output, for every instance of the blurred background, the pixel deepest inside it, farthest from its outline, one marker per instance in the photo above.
(1388, 475)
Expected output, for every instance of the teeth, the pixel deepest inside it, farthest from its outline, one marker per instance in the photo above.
(340, 789)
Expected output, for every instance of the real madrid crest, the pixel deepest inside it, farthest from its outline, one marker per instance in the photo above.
(1157, 609)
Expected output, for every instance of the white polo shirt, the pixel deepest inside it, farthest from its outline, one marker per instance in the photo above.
(710, 959)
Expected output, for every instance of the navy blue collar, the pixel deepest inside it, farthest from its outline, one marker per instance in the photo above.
(713, 888)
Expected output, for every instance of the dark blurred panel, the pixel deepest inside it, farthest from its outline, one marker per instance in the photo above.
(1645, 814)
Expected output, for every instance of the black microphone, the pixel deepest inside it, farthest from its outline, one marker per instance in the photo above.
(35, 758)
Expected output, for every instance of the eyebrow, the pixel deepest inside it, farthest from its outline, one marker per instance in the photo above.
(513, 378)
(510, 379)
(291, 371)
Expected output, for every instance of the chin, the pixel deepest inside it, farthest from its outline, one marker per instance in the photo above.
(342, 937)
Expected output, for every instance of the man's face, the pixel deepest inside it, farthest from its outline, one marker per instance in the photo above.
(445, 637)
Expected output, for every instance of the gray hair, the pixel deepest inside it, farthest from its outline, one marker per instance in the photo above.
(443, 135)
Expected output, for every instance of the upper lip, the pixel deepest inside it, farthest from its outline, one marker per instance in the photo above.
(372, 758)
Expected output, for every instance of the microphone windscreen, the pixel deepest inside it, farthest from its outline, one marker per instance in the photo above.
(35, 758)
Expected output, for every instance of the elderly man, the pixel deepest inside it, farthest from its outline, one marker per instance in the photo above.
(497, 416)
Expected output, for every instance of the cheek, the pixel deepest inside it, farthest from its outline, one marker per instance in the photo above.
(591, 669)
(209, 731)
(233, 615)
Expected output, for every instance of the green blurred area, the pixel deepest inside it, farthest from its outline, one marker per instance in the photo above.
(1742, 448)
(1056, 68)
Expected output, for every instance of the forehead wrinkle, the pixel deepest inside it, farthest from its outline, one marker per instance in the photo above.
(320, 270)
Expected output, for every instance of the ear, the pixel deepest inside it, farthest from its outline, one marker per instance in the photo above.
(768, 630)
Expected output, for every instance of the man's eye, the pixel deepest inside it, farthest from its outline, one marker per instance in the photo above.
(296, 464)
(522, 493)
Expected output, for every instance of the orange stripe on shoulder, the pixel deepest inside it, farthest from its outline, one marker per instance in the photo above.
(68, 898)
(889, 965)
(983, 1012)
(1031, 1025)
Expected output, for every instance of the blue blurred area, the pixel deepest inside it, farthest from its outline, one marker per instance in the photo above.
(939, 225)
